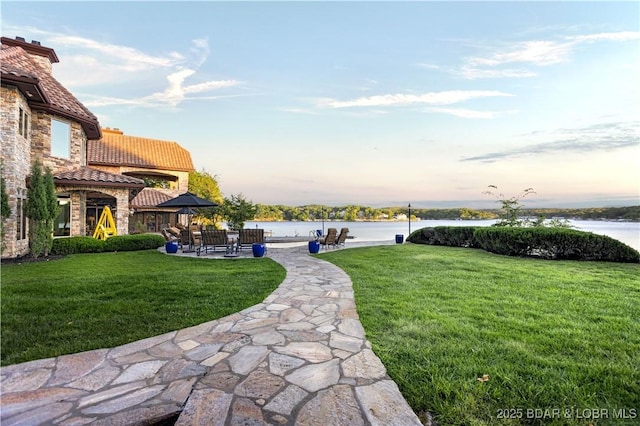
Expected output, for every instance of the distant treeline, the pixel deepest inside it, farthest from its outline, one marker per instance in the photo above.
(354, 212)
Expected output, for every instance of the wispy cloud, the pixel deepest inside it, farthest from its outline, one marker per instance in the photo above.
(399, 99)
(470, 113)
(599, 137)
(100, 64)
(177, 91)
(131, 59)
(298, 110)
(536, 53)
(474, 73)
(618, 36)
(151, 101)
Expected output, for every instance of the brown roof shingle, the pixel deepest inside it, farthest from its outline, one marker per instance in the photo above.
(118, 149)
(149, 197)
(17, 67)
(89, 176)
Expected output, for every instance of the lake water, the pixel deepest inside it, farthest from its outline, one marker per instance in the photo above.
(627, 232)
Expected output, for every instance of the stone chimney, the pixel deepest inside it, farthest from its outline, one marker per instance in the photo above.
(114, 131)
(44, 56)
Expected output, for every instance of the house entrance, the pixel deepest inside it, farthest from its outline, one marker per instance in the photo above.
(96, 202)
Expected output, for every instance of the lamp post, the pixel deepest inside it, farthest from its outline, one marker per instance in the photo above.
(409, 218)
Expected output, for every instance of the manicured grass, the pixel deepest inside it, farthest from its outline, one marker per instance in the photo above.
(549, 334)
(92, 301)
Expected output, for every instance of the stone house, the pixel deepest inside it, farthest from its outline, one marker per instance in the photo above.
(42, 121)
(164, 165)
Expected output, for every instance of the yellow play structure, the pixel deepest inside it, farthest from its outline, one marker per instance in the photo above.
(106, 227)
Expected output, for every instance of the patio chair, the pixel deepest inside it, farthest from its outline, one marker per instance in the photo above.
(342, 237)
(248, 237)
(172, 230)
(214, 239)
(330, 238)
(188, 239)
(169, 237)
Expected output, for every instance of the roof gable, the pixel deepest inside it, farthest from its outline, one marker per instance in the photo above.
(148, 198)
(42, 91)
(118, 149)
(89, 176)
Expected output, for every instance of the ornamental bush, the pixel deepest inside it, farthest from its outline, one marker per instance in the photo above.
(71, 245)
(554, 243)
(546, 243)
(133, 242)
(455, 236)
(64, 246)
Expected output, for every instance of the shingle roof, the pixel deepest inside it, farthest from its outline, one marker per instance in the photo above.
(89, 176)
(118, 149)
(17, 67)
(149, 197)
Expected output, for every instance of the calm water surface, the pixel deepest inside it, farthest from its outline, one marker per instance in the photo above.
(627, 232)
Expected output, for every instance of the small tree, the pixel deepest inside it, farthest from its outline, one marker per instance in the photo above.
(39, 209)
(52, 208)
(205, 185)
(5, 209)
(510, 207)
(237, 210)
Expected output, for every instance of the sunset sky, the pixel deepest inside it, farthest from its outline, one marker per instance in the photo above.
(372, 103)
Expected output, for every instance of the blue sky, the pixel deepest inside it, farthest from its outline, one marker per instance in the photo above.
(373, 103)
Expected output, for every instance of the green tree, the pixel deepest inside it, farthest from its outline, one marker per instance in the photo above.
(52, 207)
(204, 185)
(351, 213)
(266, 212)
(155, 182)
(510, 207)
(237, 210)
(36, 210)
(5, 209)
(41, 208)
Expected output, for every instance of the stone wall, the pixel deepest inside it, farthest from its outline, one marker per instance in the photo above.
(41, 143)
(16, 162)
(78, 197)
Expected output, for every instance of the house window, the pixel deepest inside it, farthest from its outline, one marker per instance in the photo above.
(21, 219)
(60, 139)
(23, 124)
(62, 225)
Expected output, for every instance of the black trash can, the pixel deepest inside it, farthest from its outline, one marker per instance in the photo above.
(399, 238)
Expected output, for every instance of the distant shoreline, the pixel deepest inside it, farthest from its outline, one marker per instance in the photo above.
(318, 213)
(420, 219)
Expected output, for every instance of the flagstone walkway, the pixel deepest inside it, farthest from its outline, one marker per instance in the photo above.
(298, 358)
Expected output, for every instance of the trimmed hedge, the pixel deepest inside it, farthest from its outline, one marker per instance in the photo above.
(546, 243)
(71, 245)
(454, 236)
(133, 242)
(555, 243)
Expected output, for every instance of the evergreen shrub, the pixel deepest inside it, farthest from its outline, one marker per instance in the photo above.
(133, 242)
(554, 243)
(71, 245)
(546, 243)
(455, 236)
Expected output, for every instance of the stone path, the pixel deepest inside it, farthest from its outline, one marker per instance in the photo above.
(298, 358)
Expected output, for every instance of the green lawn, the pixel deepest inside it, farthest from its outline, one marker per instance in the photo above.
(549, 334)
(92, 301)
